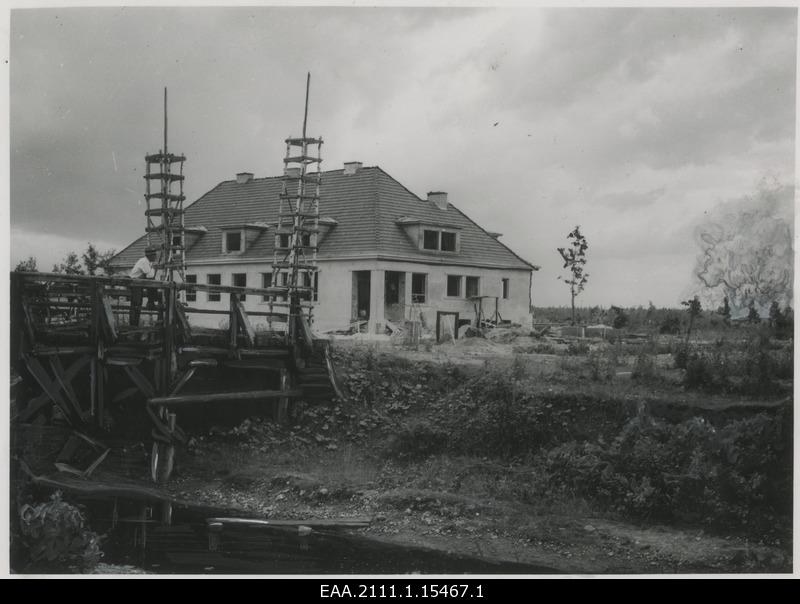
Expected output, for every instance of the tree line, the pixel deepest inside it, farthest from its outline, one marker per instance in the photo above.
(90, 262)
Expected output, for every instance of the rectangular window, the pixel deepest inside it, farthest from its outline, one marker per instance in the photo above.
(307, 281)
(233, 241)
(448, 242)
(306, 239)
(266, 281)
(239, 280)
(177, 241)
(473, 286)
(284, 241)
(505, 289)
(419, 287)
(430, 240)
(454, 286)
(214, 279)
(191, 295)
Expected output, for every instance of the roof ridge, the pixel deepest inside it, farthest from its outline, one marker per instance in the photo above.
(281, 176)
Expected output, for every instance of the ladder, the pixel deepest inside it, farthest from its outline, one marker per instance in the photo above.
(165, 225)
(294, 264)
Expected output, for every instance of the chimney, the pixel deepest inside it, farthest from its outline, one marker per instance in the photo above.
(292, 172)
(439, 198)
(351, 167)
(244, 177)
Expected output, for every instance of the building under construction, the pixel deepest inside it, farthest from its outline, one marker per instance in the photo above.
(83, 363)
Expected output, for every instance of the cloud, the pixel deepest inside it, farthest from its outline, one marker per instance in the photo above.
(631, 122)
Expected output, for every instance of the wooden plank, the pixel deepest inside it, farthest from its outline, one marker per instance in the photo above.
(183, 321)
(40, 375)
(190, 399)
(107, 319)
(44, 351)
(33, 407)
(305, 331)
(310, 522)
(182, 381)
(138, 378)
(233, 323)
(66, 385)
(244, 322)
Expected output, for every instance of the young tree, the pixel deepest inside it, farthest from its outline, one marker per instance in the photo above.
(28, 266)
(71, 265)
(694, 309)
(620, 318)
(574, 258)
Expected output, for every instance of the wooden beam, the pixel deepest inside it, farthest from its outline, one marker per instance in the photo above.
(243, 322)
(189, 399)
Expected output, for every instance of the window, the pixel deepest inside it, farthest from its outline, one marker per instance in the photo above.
(177, 241)
(266, 281)
(239, 280)
(444, 241)
(214, 279)
(191, 295)
(419, 287)
(431, 240)
(454, 286)
(505, 289)
(473, 286)
(306, 239)
(283, 241)
(448, 242)
(233, 242)
(307, 283)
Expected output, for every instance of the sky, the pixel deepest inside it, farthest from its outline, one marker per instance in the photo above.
(635, 124)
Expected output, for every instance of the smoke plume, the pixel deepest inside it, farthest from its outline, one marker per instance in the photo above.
(746, 251)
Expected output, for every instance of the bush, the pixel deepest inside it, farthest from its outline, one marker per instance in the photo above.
(56, 536)
(416, 439)
(671, 325)
(737, 476)
(577, 348)
(644, 368)
(602, 365)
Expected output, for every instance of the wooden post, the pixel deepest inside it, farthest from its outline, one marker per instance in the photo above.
(282, 406)
(234, 322)
(166, 513)
(214, 530)
(92, 386)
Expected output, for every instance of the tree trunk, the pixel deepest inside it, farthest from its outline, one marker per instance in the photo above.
(572, 291)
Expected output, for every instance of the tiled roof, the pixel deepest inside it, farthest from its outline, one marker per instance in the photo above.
(366, 206)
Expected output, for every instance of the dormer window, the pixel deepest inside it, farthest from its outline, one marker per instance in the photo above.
(236, 238)
(439, 240)
(448, 241)
(430, 240)
(232, 242)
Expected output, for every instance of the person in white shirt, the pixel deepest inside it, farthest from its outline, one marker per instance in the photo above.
(143, 269)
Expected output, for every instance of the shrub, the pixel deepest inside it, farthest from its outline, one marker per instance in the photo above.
(670, 325)
(602, 365)
(644, 368)
(736, 476)
(416, 439)
(577, 348)
(56, 536)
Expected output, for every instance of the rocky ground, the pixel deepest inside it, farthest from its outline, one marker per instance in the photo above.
(449, 504)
